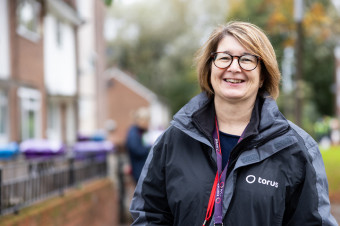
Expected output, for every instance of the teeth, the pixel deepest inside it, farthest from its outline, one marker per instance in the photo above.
(233, 80)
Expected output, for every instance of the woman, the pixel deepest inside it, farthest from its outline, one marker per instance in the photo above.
(230, 156)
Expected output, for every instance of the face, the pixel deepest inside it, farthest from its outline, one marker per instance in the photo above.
(233, 84)
(143, 123)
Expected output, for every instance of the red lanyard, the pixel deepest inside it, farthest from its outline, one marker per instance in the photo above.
(211, 201)
(219, 183)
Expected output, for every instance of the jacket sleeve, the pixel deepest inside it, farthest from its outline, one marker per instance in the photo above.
(310, 204)
(149, 205)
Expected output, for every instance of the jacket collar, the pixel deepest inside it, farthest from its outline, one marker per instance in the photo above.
(204, 118)
(197, 117)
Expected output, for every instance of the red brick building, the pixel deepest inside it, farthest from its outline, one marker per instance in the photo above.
(24, 93)
(124, 96)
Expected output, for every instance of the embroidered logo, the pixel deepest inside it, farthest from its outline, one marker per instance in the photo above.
(251, 179)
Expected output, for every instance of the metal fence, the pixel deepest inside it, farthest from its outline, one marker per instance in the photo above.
(38, 180)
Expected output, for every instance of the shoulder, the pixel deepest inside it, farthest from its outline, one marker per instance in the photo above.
(306, 140)
(169, 135)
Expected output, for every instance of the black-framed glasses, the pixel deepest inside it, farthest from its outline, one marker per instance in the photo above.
(223, 60)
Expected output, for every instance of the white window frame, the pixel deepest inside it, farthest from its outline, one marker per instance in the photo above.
(4, 41)
(32, 14)
(70, 126)
(30, 102)
(59, 32)
(53, 121)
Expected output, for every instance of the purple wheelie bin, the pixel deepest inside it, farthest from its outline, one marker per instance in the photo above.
(42, 148)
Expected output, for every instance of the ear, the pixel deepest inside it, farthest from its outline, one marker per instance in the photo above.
(261, 83)
(262, 76)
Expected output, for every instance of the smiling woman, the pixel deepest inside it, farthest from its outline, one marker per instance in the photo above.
(230, 157)
(234, 87)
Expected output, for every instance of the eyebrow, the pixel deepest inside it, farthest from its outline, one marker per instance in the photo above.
(244, 53)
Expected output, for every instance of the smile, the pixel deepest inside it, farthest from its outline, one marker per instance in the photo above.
(234, 81)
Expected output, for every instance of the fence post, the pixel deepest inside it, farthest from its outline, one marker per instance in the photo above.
(71, 171)
(121, 187)
(106, 163)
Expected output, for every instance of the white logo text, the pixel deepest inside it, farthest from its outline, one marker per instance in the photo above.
(251, 179)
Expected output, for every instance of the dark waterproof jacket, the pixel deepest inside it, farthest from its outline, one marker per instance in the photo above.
(138, 151)
(276, 175)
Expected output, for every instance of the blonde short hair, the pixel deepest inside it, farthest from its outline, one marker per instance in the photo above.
(142, 113)
(254, 40)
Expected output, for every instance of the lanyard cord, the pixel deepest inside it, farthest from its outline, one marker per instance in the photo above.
(211, 201)
(219, 181)
(217, 177)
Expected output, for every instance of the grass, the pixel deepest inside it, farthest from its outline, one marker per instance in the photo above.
(331, 158)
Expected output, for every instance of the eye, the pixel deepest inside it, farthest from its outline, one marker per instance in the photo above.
(223, 57)
(247, 59)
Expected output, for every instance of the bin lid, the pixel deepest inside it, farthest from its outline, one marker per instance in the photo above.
(9, 147)
(42, 146)
(93, 146)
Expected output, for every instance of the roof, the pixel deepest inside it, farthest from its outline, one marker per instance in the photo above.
(64, 11)
(131, 83)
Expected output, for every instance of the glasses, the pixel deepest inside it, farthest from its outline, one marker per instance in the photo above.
(223, 60)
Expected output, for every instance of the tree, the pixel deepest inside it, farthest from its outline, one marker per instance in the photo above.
(108, 2)
(157, 40)
(276, 18)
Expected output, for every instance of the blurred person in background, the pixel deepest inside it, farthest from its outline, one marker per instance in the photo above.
(138, 149)
(230, 157)
(334, 131)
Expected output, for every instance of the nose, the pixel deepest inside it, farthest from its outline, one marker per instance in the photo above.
(234, 66)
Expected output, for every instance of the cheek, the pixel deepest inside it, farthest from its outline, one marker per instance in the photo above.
(213, 78)
(215, 72)
(257, 76)
(212, 74)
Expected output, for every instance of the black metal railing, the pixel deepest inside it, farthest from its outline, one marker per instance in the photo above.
(41, 179)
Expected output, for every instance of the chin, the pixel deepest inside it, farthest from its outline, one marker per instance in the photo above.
(233, 95)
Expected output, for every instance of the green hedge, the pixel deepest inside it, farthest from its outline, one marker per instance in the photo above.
(331, 158)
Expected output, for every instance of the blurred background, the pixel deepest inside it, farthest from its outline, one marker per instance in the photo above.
(74, 72)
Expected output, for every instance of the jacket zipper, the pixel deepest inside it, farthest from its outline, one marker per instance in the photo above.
(271, 137)
(243, 142)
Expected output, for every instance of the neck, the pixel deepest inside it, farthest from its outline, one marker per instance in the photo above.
(233, 117)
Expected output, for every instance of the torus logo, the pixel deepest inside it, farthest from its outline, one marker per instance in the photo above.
(251, 179)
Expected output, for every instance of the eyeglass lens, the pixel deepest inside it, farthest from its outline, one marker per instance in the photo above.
(246, 62)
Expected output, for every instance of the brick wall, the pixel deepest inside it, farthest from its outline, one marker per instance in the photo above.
(27, 70)
(122, 103)
(94, 204)
(27, 56)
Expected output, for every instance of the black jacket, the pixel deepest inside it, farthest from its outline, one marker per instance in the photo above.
(138, 151)
(276, 174)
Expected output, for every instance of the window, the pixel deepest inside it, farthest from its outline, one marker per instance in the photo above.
(53, 121)
(3, 117)
(30, 106)
(59, 32)
(4, 41)
(28, 15)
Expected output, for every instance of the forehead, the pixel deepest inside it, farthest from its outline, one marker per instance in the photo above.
(230, 44)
